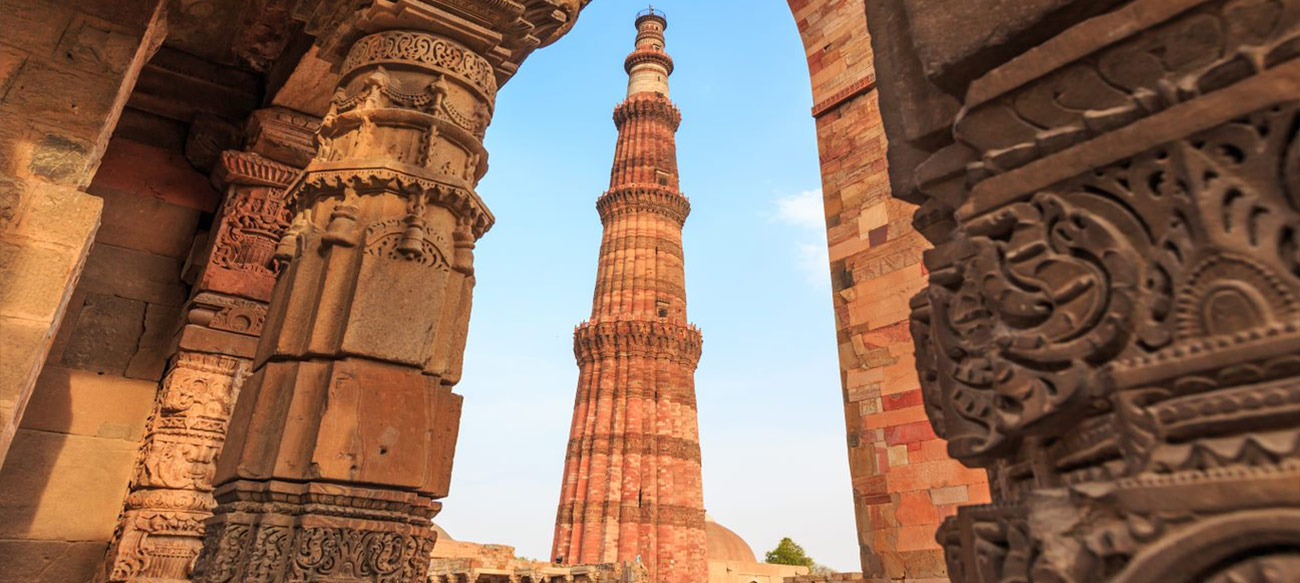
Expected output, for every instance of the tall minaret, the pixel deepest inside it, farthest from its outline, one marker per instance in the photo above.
(632, 486)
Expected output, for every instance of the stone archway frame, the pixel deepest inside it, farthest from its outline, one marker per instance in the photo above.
(1213, 541)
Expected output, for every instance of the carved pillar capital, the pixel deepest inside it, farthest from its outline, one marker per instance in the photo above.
(504, 32)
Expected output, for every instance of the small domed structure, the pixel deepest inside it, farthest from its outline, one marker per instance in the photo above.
(725, 545)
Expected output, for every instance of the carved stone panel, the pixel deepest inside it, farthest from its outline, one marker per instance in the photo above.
(1112, 325)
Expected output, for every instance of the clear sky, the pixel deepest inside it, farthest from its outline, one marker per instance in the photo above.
(771, 419)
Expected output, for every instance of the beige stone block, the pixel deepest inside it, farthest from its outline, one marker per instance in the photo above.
(35, 277)
(63, 97)
(850, 247)
(897, 455)
(884, 300)
(135, 275)
(949, 495)
(62, 215)
(900, 377)
(873, 216)
(869, 407)
(22, 350)
(864, 376)
(29, 561)
(63, 487)
(309, 87)
(97, 46)
(84, 403)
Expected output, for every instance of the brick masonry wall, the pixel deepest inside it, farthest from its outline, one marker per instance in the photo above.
(66, 69)
(904, 483)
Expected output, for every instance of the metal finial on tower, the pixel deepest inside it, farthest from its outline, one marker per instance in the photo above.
(652, 12)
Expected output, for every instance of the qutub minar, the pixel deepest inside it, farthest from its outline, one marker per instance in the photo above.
(632, 486)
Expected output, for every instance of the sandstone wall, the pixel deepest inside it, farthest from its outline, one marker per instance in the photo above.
(903, 481)
(72, 457)
(66, 69)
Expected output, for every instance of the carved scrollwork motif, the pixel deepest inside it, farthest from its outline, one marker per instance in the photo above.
(1029, 302)
(379, 557)
(1202, 50)
(1021, 321)
(426, 49)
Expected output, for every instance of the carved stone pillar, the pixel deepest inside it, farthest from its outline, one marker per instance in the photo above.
(343, 437)
(1113, 318)
(162, 524)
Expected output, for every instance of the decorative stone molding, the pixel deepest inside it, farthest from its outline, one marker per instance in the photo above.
(1111, 321)
(651, 56)
(403, 47)
(647, 105)
(679, 343)
(161, 528)
(634, 198)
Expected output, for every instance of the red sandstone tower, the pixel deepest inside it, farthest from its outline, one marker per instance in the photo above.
(632, 486)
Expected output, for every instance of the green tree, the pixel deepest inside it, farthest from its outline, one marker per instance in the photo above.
(788, 552)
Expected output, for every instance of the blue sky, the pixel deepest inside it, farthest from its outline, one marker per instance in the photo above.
(771, 422)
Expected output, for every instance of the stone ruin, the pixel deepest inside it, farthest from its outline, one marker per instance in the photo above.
(1065, 252)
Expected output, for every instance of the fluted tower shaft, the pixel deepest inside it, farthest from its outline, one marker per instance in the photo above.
(632, 487)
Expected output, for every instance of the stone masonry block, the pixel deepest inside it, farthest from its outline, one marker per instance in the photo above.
(34, 276)
(28, 561)
(150, 358)
(22, 350)
(105, 334)
(134, 275)
(97, 46)
(144, 223)
(61, 215)
(84, 403)
(61, 97)
(45, 471)
(34, 25)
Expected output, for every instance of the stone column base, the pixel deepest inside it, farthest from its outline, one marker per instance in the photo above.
(272, 532)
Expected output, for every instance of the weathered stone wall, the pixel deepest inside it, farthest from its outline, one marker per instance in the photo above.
(72, 458)
(66, 69)
(904, 483)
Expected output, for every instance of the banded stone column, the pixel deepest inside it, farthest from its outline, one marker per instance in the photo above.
(162, 523)
(342, 440)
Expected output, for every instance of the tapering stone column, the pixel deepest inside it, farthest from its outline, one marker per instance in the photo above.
(162, 523)
(342, 440)
(633, 490)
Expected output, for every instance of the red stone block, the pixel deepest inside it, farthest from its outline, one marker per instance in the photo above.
(909, 433)
(910, 398)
